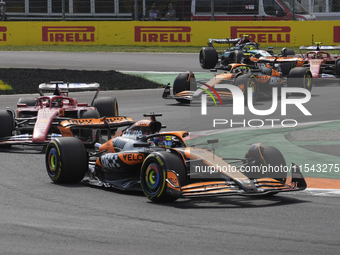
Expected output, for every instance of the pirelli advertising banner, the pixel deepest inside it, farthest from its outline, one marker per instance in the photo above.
(163, 33)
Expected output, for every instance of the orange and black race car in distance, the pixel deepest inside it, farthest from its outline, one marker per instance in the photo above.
(161, 164)
(36, 119)
(322, 64)
(261, 79)
(242, 51)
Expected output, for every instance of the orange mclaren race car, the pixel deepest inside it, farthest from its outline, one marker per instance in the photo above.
(261, 79)
(241, 52)
(162, 165)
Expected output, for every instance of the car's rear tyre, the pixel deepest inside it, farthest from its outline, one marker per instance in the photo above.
(182, 83)
(238, 57)
(300, 77)
(154, 173)
(66, 160)
(287, 52)
(107, 106)
(208, 57)
(285, 68)
(87, 133)
(29, 101)
(6, 126)
(247, 81)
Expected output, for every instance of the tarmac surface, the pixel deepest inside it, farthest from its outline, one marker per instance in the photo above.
(39, 217)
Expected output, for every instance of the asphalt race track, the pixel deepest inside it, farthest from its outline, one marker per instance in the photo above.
(102, 61)
(38, 217)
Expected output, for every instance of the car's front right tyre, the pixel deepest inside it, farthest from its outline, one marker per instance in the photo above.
(154, 173)
(208, 57)
(6, 125)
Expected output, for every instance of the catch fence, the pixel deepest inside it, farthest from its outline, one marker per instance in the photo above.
(87, 10)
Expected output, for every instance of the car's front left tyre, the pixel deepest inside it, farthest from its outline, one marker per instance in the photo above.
(66, 160)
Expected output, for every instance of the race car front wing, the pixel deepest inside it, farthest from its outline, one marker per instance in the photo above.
(262, 186)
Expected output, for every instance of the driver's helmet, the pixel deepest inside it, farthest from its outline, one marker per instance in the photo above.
(57, 102)
(163, 141)
(248, 47)
(241, 69)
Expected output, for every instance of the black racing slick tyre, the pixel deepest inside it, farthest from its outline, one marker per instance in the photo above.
(248, 81)
(285, 68)
(29, 101)
(238, 57)
(208, 57)
(66, 160)
(182, 83)
(273, 165)
(154, 173)
(287, 52)
(267, 158)
(300, 77)
(6, 126)
(107, 106)
(274, 160)
(337, 67)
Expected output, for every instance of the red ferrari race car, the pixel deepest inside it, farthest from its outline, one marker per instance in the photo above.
(321, 63)
(36, 119)
(261, 79)
(163, 166)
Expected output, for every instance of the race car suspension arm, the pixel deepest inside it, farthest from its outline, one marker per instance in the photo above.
(95, 96)
(109, 135)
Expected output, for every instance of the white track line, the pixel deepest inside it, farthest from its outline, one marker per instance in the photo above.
(322, 192)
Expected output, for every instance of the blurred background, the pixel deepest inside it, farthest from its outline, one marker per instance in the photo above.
(186, 10)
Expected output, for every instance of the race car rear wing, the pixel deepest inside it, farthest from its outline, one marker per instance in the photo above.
(224, 41)
(276, 59)
(318, 47)
(233, 42)
(107, 123)
(66, 87)
(101, 123)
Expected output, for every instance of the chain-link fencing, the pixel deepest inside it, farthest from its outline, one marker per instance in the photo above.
(21, 10)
